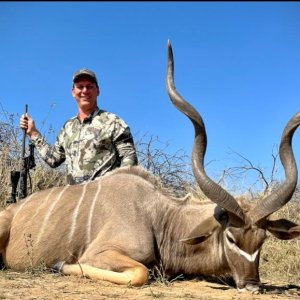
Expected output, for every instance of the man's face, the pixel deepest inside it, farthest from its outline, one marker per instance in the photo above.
(85, 92)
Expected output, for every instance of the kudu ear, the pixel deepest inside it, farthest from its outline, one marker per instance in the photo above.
(202, 232)
(283, 229)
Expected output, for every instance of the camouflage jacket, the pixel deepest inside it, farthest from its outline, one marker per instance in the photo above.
(91, 148)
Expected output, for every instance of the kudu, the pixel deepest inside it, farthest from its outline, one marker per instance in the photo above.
(118, 226)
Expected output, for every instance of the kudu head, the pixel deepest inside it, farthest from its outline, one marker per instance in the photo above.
(243, 231)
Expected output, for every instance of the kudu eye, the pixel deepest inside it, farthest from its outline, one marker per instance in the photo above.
(230, 239)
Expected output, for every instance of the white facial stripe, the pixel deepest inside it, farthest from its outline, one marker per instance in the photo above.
(249, 257)
(230, 235)
(235, 248)
(220, 251)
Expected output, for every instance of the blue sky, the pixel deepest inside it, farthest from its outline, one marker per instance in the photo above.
(238, 63)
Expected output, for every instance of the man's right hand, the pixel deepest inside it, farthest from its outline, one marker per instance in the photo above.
(27, 123)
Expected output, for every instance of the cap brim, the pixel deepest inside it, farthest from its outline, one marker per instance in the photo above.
(77, 77)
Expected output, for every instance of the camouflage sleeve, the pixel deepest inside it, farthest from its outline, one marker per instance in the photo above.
(125, 144)
(53, 156)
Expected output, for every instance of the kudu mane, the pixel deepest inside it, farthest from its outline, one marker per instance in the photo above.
(139, 171)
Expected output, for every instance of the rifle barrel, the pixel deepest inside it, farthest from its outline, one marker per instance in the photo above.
(24, 136)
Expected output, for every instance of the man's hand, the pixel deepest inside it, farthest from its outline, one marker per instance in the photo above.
(27, 123)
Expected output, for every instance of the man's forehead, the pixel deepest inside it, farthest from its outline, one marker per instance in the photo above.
(84, 80)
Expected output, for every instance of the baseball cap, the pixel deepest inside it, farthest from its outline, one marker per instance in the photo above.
(85, 73)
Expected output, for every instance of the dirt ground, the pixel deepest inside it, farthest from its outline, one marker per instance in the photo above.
(49, 286)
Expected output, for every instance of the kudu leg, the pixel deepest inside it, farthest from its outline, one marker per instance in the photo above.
(126, 270)
(6, 217)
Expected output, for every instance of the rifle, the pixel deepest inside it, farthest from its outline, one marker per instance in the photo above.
(16, 176)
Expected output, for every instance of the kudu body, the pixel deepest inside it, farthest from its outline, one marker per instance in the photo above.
(118, 226)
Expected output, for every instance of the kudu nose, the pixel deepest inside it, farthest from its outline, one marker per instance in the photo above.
(251, 287)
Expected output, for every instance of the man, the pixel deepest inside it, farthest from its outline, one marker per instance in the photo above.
(92, 143)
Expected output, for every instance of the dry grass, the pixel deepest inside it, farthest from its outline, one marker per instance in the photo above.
(11, 137)
(280, 260)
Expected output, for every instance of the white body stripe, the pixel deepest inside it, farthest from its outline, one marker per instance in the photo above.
(75, 214)
(42, 205)
(91, 214)
(49, 212)
(21, 206)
